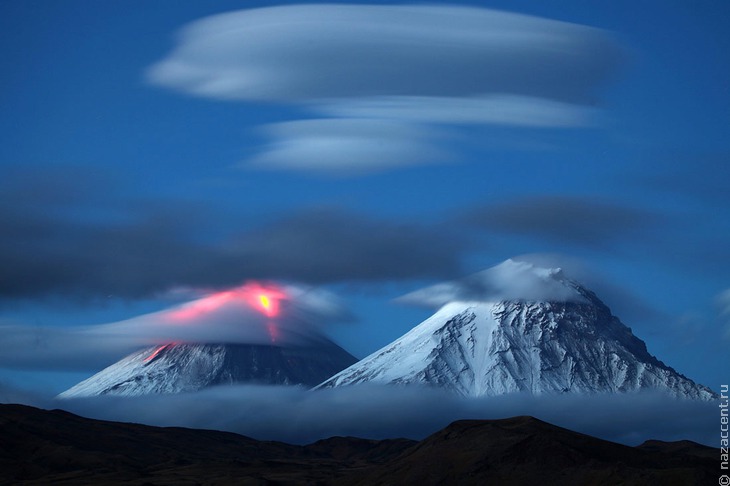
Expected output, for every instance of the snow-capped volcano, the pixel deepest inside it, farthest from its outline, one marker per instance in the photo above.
(536, 331)
(261, 333)
(176, 368)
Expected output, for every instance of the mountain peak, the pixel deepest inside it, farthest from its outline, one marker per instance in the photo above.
(519, 327)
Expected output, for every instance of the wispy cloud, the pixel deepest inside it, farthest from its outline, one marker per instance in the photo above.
(494, 109)
(85, 244)
(581, 221)
(723, 299)
(723, 302)
(326, 246)
(700, 176)
(386, 64)
(347, 147)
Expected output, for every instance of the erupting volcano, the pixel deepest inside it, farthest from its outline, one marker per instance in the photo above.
(295, 353)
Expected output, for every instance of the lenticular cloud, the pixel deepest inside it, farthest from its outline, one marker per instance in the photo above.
(394, 68)
(309, 52)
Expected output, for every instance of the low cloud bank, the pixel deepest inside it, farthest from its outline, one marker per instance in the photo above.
(297, 415)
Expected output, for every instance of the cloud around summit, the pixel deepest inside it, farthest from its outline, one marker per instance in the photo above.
(293, 315)
(510, 280)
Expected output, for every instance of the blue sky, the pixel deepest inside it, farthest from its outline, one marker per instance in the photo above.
(147, 146)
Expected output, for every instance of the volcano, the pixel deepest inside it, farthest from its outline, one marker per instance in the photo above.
(181, 367)
(256, 333)
(520, 328)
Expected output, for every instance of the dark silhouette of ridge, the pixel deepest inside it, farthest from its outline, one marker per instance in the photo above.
(43, 447)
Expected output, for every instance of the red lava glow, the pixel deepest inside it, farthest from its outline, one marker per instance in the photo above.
(273, 331)
(264, 299)
(201, 307)
(267, 303)
(156, 352)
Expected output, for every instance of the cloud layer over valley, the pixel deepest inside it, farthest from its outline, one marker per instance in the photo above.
(297, 415)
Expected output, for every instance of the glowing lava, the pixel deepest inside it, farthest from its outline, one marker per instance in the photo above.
(226, 305)
(269, 304)
(264, 299)
(265, 302)
(156, 352)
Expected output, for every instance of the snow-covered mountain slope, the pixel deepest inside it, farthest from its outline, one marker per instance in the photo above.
(176, 368)
(478, 348)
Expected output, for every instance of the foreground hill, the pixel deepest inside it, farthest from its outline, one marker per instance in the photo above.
(42, 447)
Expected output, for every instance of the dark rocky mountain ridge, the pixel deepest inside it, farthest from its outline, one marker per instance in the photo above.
(43, 447)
